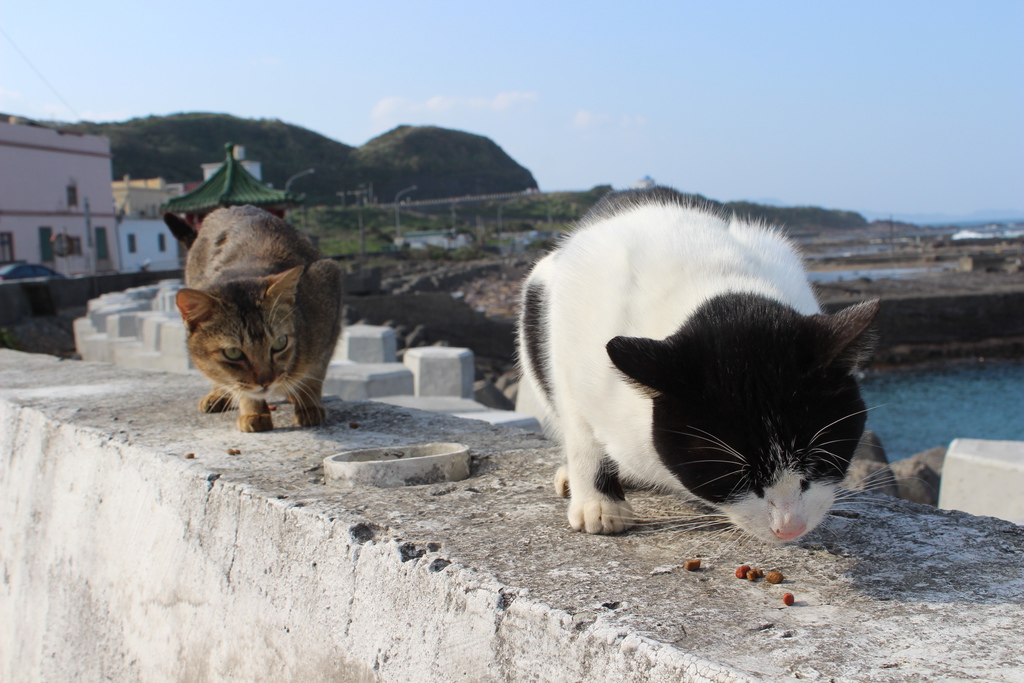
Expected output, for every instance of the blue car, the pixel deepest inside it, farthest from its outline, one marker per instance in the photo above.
(25, 271)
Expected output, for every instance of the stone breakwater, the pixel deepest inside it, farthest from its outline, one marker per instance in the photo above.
(126, 559)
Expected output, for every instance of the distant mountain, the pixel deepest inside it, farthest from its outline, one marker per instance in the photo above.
(439, 161)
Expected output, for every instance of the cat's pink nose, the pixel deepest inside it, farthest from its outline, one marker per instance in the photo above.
(790, 530)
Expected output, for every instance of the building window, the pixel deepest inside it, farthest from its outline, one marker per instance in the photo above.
(74, 245)
(162, 242)
(6, 247)
(72, 195)
(101, 243)
(45, 246)
(131, 243)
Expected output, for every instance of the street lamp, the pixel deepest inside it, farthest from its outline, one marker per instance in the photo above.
(398, 226)
(288, 183)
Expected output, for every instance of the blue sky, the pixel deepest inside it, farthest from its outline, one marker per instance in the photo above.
(883, 107)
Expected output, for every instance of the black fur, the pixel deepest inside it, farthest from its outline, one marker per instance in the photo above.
(607, 481)
(743, 389)
(533, 329)
(182, 230)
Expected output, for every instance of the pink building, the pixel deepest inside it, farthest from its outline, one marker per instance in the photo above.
(56, 203)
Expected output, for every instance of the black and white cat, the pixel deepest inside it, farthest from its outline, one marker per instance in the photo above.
(676, 348)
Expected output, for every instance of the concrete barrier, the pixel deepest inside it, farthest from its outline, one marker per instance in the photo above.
(984, 478)
(368, 344)
(441, 370)
(135, 547)
(360, 381)
(465, 408)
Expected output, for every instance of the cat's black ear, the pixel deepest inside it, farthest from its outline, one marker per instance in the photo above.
(850, 335)
(195, 307)
(642, 360)
(181, 229)
(281, 287)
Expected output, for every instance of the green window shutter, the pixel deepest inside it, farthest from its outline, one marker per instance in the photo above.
(45, 246)
(101, 243)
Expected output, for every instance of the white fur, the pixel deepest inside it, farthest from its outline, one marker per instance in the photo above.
(641, 273)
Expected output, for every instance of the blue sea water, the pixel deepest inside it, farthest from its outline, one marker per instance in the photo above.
(914, 410)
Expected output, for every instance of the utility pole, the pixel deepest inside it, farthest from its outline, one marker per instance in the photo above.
(398, 225)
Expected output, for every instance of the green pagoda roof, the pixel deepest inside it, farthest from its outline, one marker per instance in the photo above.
(231, 185)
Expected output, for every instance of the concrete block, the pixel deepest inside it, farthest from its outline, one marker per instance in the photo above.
(82, 328)
(99, 315)
(465, 408)
(94, 347)
(173, 338)
(122, 325)
(984, 478)
(435, 404)
(146, 293)
(107, 300)
(166, 296)
(441, 370)
(361, 381)
(149, 329)
(367, 344)
(504, 418)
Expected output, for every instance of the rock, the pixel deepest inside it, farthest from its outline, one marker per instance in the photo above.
(486, 393)
(417, 337)
(917, 478)
(869, 468)
(511, 392)
(933, 457)
(873, 476)
(870, 448)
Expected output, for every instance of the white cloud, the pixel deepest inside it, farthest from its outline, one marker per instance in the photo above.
(588, 120)
(399, 107)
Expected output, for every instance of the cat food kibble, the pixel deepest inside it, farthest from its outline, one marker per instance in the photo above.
(754, 574)
(788, 599)
(692, 565)
(189, 456)
(774, 577)
(741, 573)
(234, 451)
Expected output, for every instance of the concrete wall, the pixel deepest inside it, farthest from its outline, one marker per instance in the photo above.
(939, 320)
(125, 559)
(44, 297)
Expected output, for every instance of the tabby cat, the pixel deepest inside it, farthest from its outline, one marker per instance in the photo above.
(263, 312)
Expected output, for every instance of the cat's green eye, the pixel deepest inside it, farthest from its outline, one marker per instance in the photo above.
(280, 343)
(234, 353)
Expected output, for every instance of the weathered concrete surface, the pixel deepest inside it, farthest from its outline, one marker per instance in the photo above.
(124, 560)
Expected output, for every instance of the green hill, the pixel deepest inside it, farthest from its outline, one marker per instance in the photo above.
(439, 161)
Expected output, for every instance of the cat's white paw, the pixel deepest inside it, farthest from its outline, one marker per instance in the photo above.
(600, 515)
(562, 483)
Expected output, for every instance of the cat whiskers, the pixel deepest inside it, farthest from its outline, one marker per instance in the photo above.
(824, 429)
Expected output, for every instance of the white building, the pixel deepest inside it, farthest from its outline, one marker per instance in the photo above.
(446, 239)
(56, 205)
(147, 244)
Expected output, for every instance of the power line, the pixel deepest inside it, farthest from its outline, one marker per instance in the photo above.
(38, 73)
